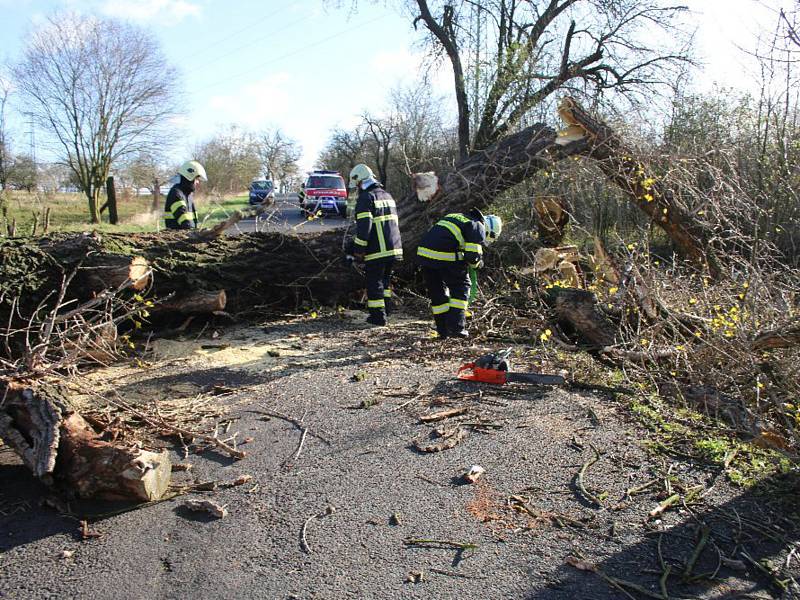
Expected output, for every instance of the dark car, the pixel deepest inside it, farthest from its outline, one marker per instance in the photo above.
(261, 190)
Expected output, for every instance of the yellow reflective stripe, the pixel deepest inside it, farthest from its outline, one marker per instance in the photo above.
(376, 304)
(385, 204)
(387, 293)
(453, 228)
(385, 254)
(456, 303)
(457, 217)
(186, 217)
(175, 206)
(440, 308)
(359, 242)
(381, 239)
(383, 218)
(364, 215)
(435, 254)
(470, 247)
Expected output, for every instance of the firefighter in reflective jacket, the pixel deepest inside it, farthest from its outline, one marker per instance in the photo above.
(377, 241)
(452, 246)
(179, 210)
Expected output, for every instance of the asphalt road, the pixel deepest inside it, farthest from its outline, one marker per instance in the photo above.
(348, 506)
(285, 216)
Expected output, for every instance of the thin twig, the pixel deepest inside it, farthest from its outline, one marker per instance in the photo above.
(580, 483)
(329, 510)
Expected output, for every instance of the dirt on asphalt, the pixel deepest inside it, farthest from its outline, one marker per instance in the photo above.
(355, 508)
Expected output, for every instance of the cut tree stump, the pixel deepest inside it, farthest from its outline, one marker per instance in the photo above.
(553, 218)
(59, 447)
(112, 271)
(197, 303)
(579, 309)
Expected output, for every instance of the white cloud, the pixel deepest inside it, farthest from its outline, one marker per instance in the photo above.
(170, 11)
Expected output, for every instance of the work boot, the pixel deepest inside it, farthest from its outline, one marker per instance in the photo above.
(456, 323)
(441, 324)
(377, 316)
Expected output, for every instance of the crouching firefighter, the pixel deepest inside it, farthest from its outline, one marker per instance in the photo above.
(377, 241)
(179, 212)
(446, 253)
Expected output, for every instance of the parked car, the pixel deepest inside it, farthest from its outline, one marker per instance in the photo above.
(325, 192)
(262, 190)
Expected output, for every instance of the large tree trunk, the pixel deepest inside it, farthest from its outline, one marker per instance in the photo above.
(287, 269)
(59, 447)
(621, 164)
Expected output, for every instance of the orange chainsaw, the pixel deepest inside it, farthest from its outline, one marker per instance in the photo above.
(493, 368)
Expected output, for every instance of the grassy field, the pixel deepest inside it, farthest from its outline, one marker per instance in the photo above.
(70, 212)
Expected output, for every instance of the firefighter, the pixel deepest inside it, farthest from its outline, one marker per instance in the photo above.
(377, 241)
(179, 210)
(446, 253)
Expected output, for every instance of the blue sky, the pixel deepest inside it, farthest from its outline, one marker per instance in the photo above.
(297, 64)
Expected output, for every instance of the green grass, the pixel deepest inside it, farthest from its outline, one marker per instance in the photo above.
(70, 212)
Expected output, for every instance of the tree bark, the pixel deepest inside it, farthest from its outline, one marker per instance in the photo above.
(620, 164)
(785, 337)
(111, 194)
(579, 309)
(59, 447)
(196, 303)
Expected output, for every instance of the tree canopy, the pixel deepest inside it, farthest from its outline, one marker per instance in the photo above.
(101, 88)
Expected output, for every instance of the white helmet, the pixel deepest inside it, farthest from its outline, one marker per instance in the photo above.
(494, 227)
(192, 169)
(359, 173)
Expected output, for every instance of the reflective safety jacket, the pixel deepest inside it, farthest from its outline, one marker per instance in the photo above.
(377, 231)
(454, 239)
(179, 208)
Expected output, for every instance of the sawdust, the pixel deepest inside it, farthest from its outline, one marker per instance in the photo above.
(487, 506)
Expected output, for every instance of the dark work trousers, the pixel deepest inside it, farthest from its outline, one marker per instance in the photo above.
(378, 273)
(448, 290)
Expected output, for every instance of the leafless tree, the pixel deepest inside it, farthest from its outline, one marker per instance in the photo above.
(381, 132)
(529, 49)
(231, 159)
(279, 154)
(344, 150)
(101, 87)
(5, 143)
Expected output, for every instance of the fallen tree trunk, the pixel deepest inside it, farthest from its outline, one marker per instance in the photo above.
(60, 447)
(201, 302)
(620, 164)
(785, 337)
(274, 269)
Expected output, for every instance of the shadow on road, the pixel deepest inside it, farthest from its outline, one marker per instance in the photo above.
(742, 548)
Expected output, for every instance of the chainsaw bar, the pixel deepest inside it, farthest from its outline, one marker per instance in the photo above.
(535, 378)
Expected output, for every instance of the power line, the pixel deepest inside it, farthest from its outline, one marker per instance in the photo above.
(240, 30)
(289, 54)
(251, 43)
